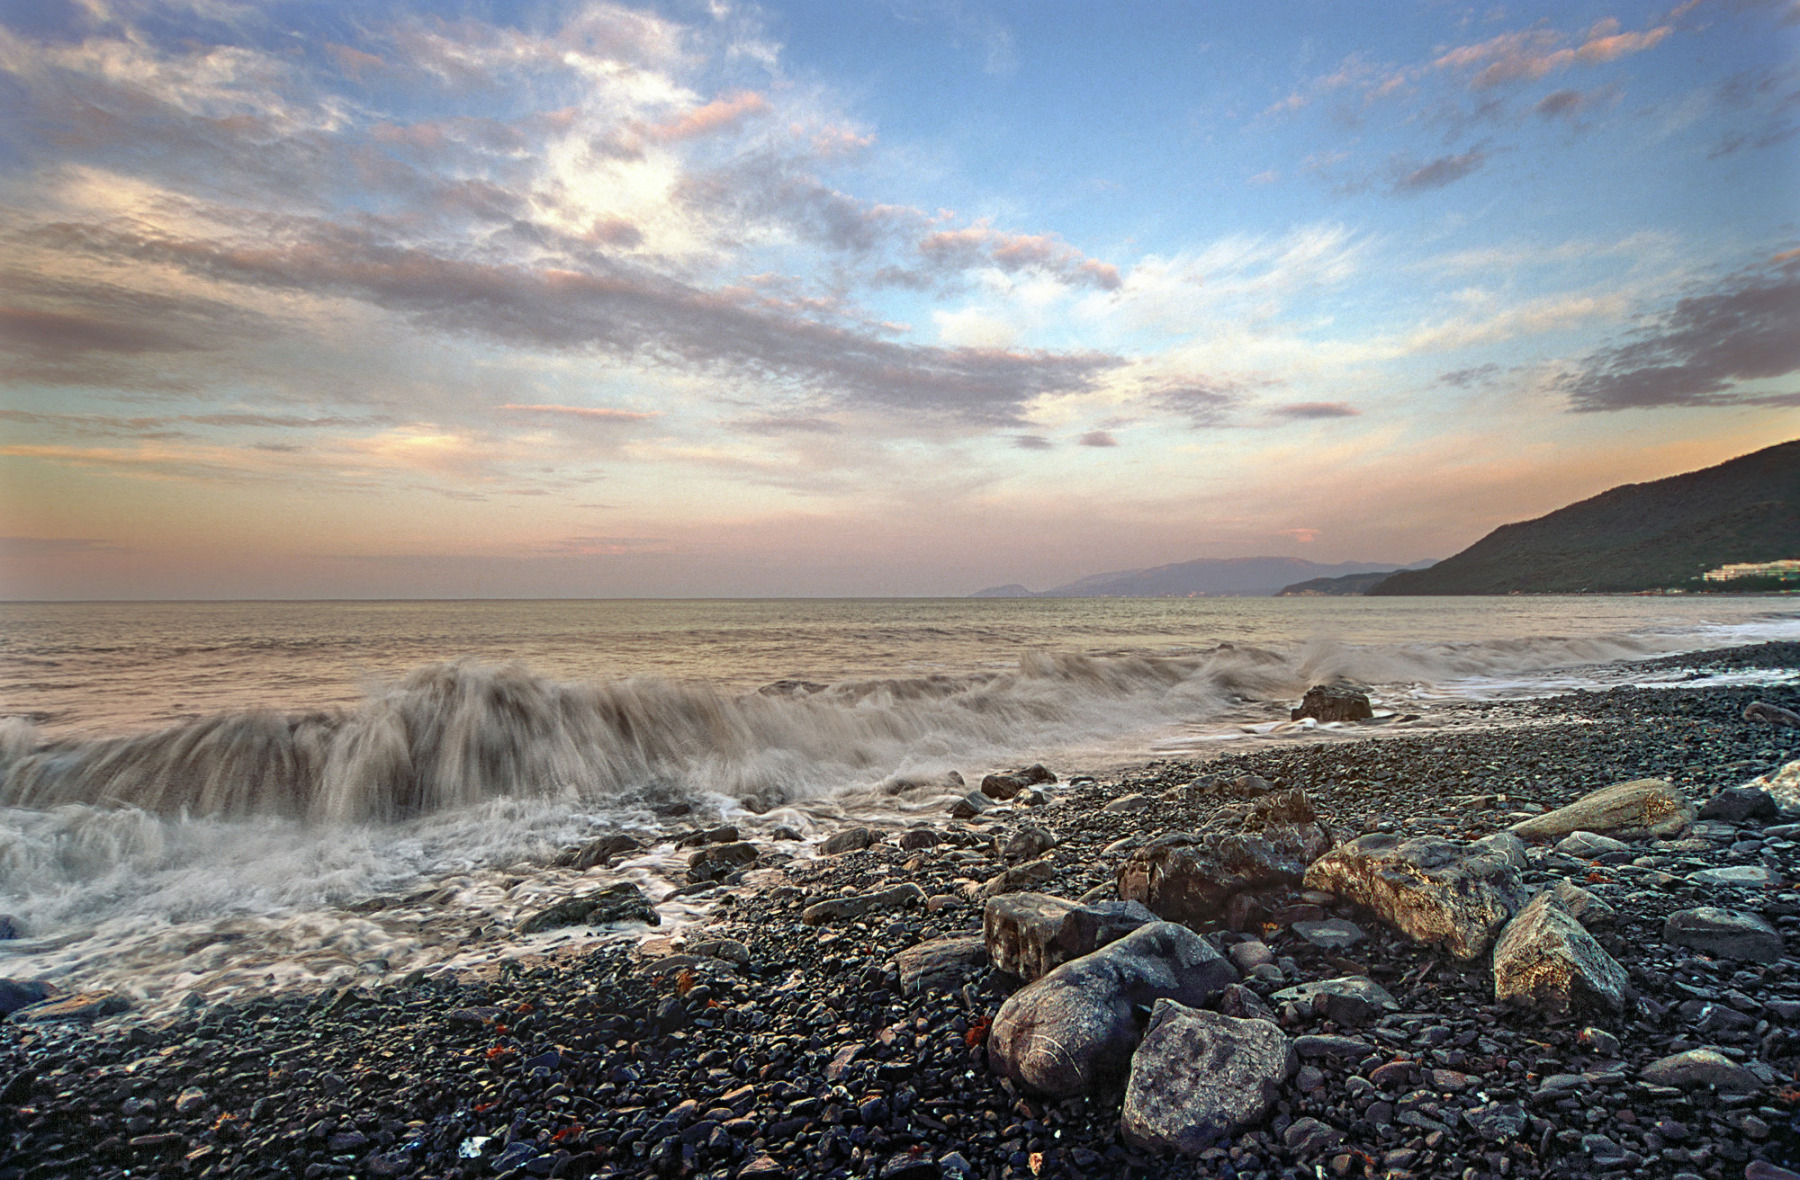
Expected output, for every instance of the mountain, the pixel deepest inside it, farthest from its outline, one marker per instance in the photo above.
(1239, 577)
(1334, 587)
(1641, 536)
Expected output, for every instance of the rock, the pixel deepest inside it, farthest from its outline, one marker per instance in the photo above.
(941, 964)
(1764, 1170)
(1193, 878)
(726, 950)
(1332, 934)
(1334, 702)
(1581, 904)
(970, 805)
(1701, 1067)
(1497, 1122)
(1643, 809)
(1309, 1136)
(907, 1166)
(838, 908)
(80, 1006)
(17, 993)
(1027, 844)
(1591, 846)
(848, 840)
(10, 928)
(1544, 958)
(724, 834)
(1025, 876)
(1238, 1000)
(1737, 877)
(1001, 786)
(1251, 954)
(1031, 934)
(1350, 1000)
(1076, 1026)
(1431, 889)
(1126, 804)
(621, 902)
(1334, 1047)
(1198, 1077)
(189, 1101)
(914, 839)
(763, 1167)
(599, 851)
(1773, 714)
(1736, 805)
(1729, 934)
(1783, 787)
(720, 860)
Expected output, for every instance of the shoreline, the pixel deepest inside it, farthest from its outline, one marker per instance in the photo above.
(847, 1074)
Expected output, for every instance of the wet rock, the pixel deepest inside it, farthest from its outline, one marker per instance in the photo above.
(1031, 934)
(913, 839)
(848, 840)
(1643, 809)
(943, 964)
(1334, 702)
(1698, 1068)
(1730, 934)
(1077, 1025)
(1021, 877)
(1736, 805)
(720, 860)
(1001, 786)
(1350, 1000)
(80, 1006)
(1432, 889)
(1199, 1077)
(621, 902)
(599, 851)
(840, 908)
(970, 805)
(17, 993)
(724, 834)
(1544, 958)
(10, 928)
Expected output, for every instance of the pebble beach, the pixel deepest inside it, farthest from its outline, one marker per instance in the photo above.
(776, 1036)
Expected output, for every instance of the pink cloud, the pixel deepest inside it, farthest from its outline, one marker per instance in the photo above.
(717, 115)
(602, 412)
(1528, 55)
(981, 243)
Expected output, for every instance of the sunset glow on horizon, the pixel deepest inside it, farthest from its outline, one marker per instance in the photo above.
(717, 299)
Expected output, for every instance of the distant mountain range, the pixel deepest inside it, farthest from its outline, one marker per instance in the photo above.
(1349, 584)
(1640, 536)
(1237, 577)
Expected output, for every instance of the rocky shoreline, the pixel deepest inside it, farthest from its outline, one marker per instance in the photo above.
(799, 1034)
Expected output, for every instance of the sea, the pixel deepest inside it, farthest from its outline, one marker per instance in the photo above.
(202, 801)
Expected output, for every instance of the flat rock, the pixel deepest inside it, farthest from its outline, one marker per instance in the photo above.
(717, 861)
(1339, 1048)
(1332, 934)
(1030, 934)
(1643, 809)
(1200, 1076)
(1129, 803)
(621, 902)
(1498, 1122)
(1077, 1026)
(942, 964)
(1737, 877)
(848, 840)
(1590, 845)
(1699, 1068)
(1729, 934)
(1431, 889)
(80, 1006)
(1350, 1000)
(837, 909)
(1547, 960)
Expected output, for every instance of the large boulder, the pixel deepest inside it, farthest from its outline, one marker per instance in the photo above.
(1192, 877)
(1199, 1076)
(1546, 960)
(1434, 890)
(1078, 1025)
(1729, 934)
(1643, 809)
(1334, 702)
(1031, 934)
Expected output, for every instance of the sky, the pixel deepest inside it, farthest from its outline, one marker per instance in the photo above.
(866, 297)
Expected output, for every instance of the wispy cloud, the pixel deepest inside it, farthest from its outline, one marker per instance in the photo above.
(1443, 171)
(1315, 411)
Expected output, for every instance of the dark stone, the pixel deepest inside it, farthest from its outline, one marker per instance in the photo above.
(1334, 702)
(621, 902)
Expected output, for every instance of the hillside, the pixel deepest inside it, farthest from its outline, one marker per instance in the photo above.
(1635, 537)
(1243, 577)
(1349, 584)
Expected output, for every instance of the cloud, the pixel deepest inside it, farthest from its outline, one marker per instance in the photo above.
(587, 413)
(1202, 402)
(1466, 378)
(981, 244)
(1565, 104)
(1746, 328)
(718, 115)
(1098, 438)
(1531, 54)
(1443, 171)
(1032, 442)
(26, 548)
(1309, 411)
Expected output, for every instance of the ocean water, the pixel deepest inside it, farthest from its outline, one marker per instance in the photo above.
(199, 800)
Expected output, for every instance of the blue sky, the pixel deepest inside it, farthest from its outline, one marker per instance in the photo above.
(908, 297)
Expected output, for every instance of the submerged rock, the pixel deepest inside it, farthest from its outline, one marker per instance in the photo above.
(1433, 890)
(599, 851)
(718, 861)
(1334, 702)
(1031, 934)
(1200, 1076)
(1643, 809)
(623, 902)
(1546, 959)
(1078, 1025)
